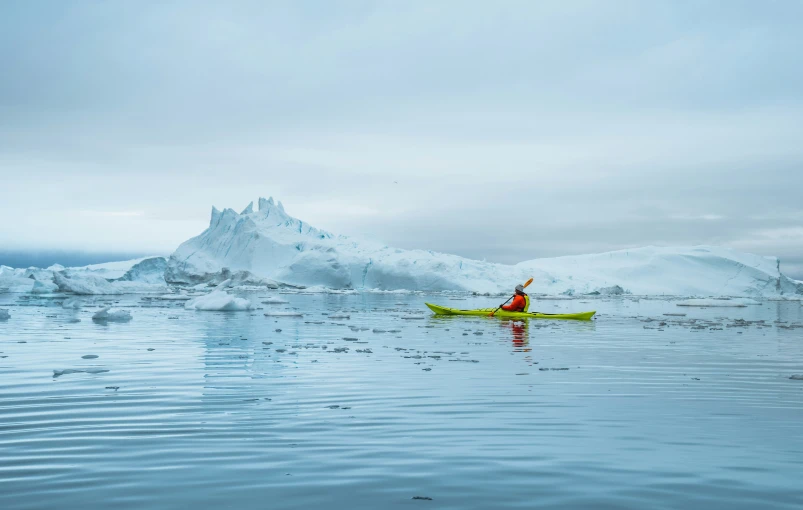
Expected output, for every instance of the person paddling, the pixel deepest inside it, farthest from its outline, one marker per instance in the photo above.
(521, 301)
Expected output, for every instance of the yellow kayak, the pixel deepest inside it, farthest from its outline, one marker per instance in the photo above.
(442, 310)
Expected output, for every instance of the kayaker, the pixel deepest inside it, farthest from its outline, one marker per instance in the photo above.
(521, 301)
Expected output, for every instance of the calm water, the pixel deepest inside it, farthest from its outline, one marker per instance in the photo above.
(222, 410)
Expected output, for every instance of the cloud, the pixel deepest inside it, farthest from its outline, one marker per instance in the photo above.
(503, 132)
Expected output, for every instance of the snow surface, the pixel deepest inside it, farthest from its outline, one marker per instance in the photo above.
(218, 301)
(271, 245)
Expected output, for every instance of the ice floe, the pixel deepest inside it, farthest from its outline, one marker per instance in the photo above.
(108, 314)
(218, 301)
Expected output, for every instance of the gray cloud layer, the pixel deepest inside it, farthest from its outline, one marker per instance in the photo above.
(506, 132)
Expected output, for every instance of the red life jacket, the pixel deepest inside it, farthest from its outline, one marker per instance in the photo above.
(518, 305)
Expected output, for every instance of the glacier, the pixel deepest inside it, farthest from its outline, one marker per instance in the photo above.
(268, 248)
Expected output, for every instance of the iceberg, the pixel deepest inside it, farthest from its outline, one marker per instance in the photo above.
(267, 245)
(109, 315)
(84, 284)
(267, 248)
(89, 282)
(43, 287)
(218, 301)
(113, 270)
(150, 270)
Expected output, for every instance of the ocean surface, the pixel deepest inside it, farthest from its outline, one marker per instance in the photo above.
(394, 408)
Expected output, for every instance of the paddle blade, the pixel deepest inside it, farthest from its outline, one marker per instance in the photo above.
(528, 283)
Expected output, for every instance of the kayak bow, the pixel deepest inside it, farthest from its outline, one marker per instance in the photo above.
(442, 310)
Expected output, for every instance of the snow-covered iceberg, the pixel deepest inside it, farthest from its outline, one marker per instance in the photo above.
(269, 244)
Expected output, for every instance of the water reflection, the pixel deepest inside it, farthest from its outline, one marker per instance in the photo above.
(519, 333)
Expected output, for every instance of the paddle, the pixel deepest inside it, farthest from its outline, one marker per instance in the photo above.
(508, 299)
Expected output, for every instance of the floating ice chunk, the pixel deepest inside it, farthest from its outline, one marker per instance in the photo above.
(284, 314)
(173, 297)
(274, 301)
(4, 315)
(339, 316)
(218, 301)
(109, 315)
(732, 303)
(413, 317)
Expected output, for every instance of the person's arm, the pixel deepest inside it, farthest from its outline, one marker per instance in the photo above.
(516, 305)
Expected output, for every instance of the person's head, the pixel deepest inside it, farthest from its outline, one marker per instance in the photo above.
(519, 290)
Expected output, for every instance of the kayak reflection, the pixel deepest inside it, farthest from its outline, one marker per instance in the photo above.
(519, 332)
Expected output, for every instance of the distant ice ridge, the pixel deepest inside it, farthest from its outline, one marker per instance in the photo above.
(268, 245)
(269, 248)
(130, 276)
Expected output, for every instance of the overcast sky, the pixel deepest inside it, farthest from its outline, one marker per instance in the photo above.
(500, 130)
